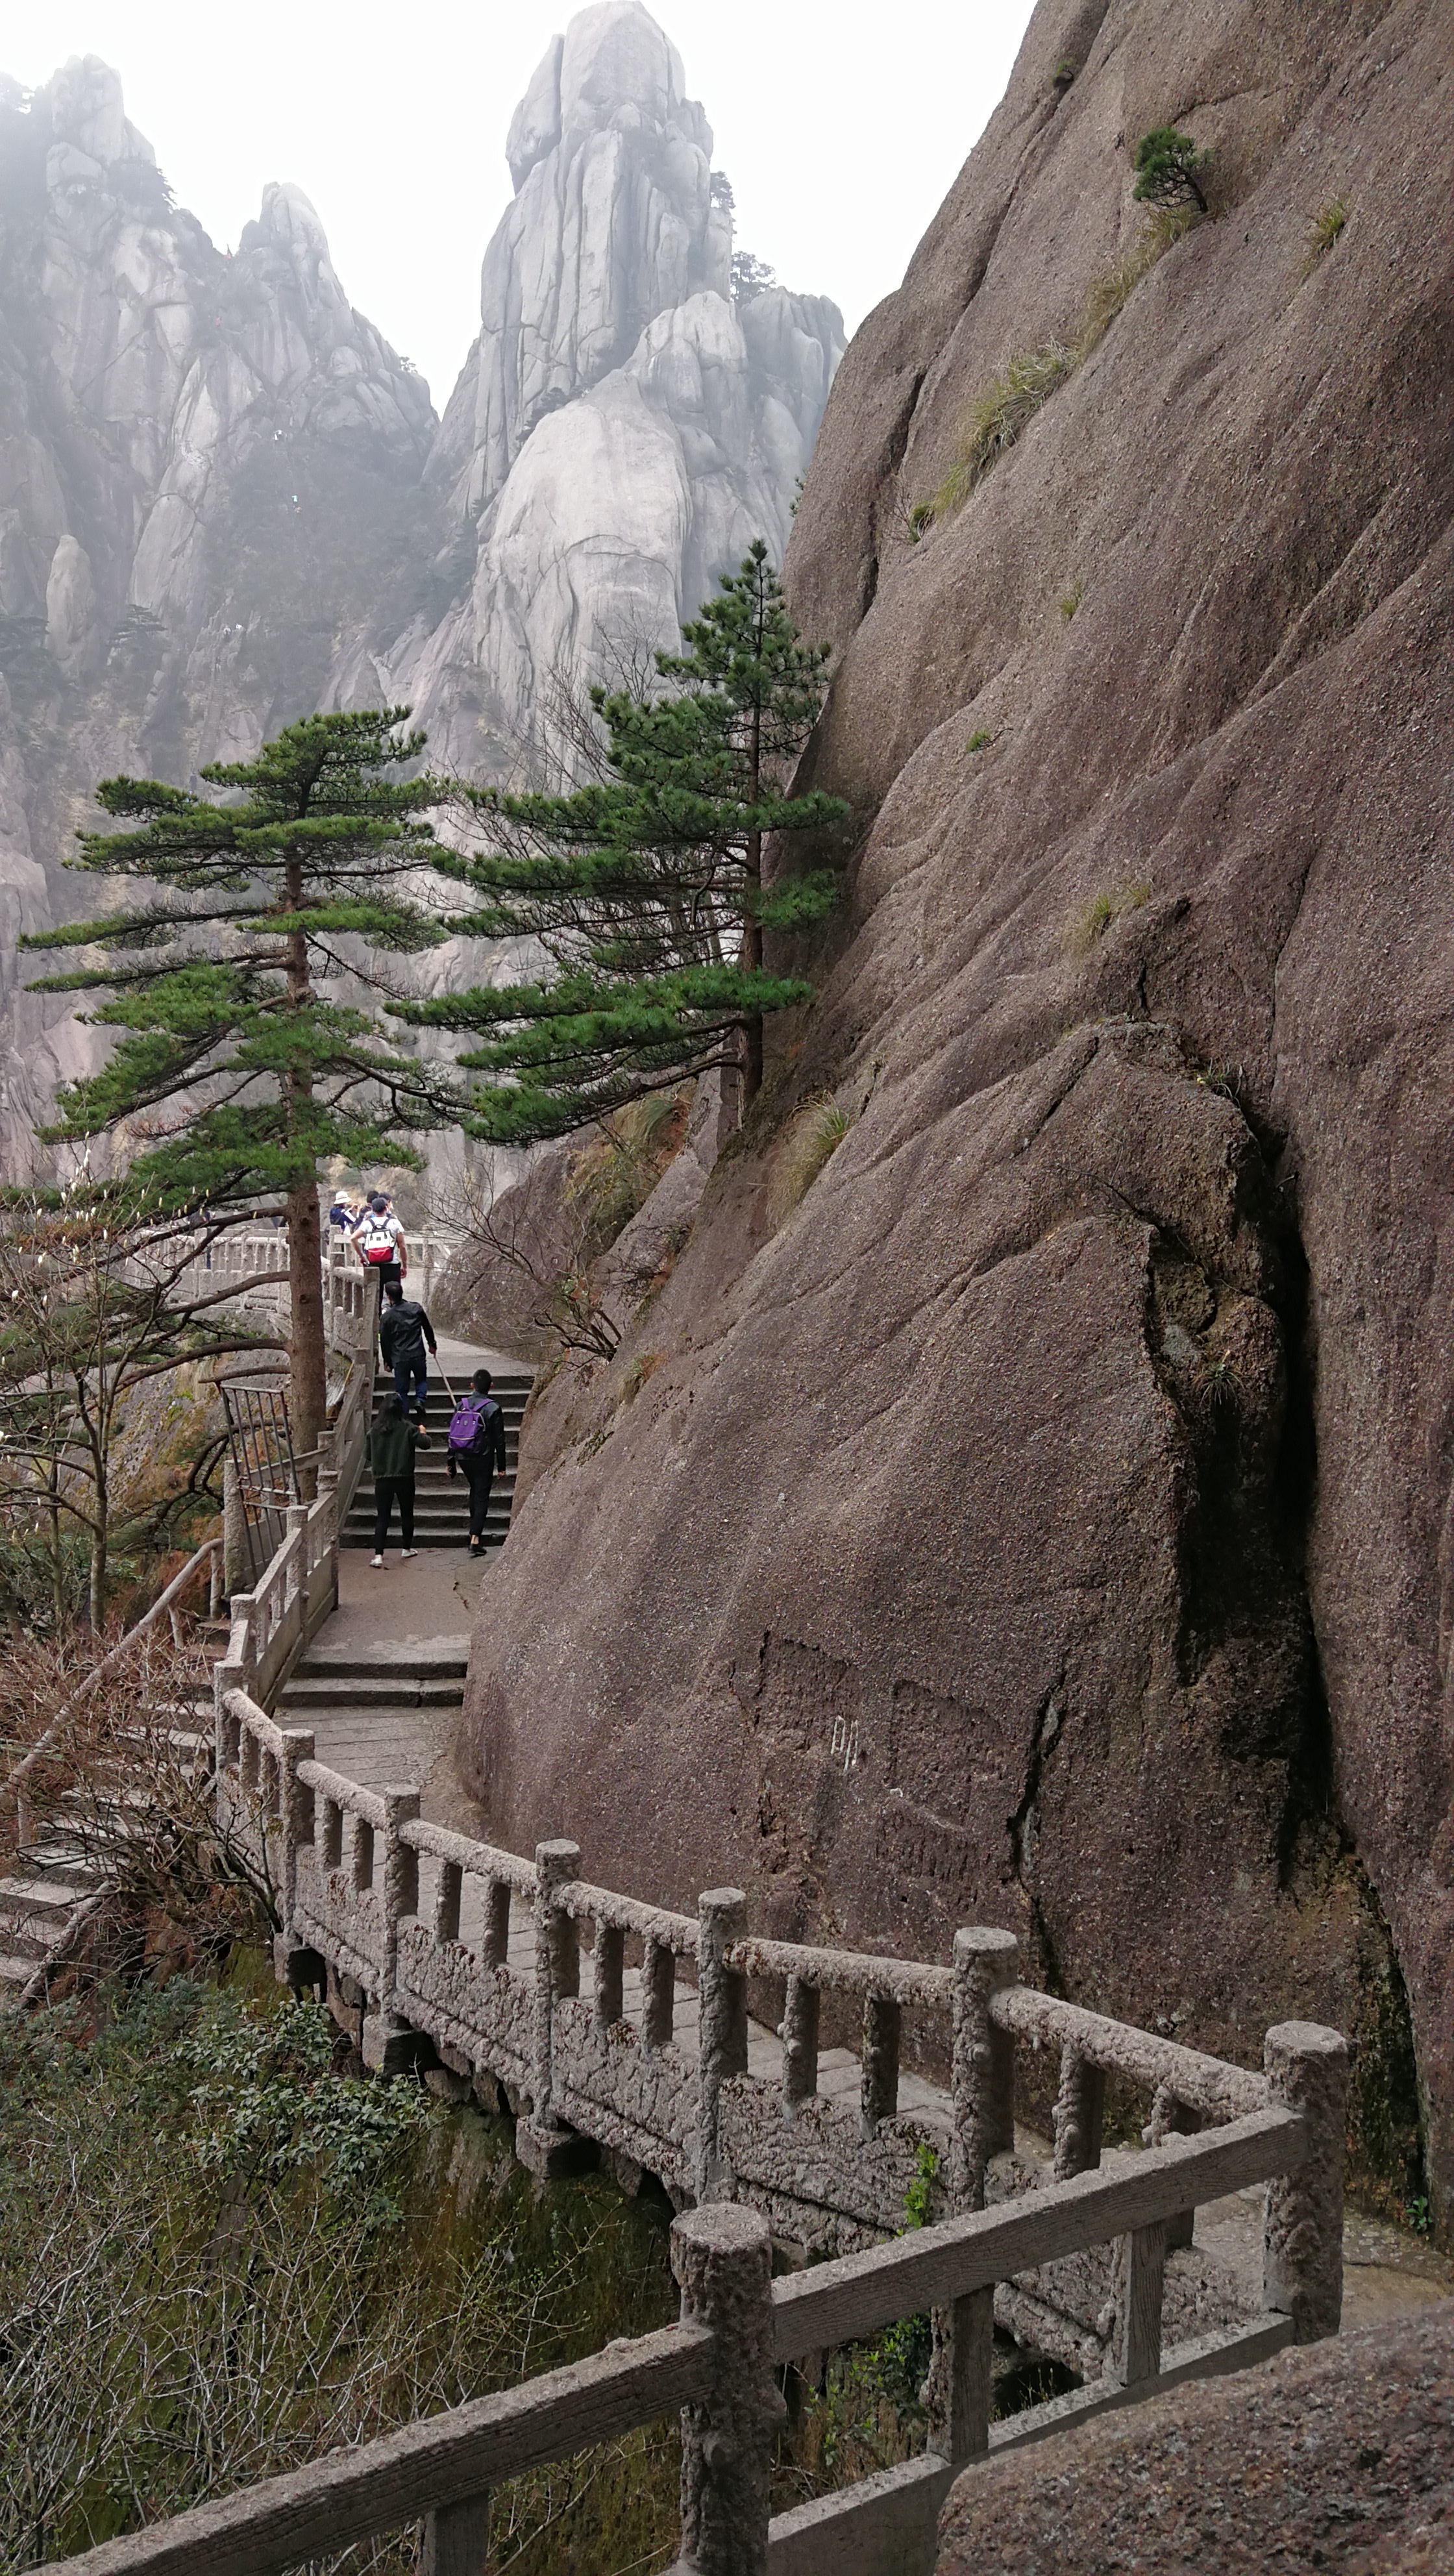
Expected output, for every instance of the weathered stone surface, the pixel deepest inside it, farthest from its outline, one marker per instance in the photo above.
(1341, 2456)
(1046, 1523)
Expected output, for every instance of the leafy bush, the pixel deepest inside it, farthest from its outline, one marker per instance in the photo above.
(219, 2259)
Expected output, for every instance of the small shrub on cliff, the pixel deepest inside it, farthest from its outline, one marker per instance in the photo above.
(1094, 919)
(1169, 169)
(1326, 228)
(816, 1132)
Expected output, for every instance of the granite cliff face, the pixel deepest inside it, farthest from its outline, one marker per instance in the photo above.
(1047, 1523)
(224, 500)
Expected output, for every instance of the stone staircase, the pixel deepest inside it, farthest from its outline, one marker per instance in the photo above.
(378, 1714)
(441, 1508)
(53, 1881)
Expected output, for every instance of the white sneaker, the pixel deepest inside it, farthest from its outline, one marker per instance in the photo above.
(407, 1551)
(377, 1560)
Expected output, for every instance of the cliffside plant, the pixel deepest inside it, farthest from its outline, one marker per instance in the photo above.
(1094, 919)
(1169, 169)
(1326, 228)
(1002, 414)
(647, 888)
(234, 1075)
(814, 1134)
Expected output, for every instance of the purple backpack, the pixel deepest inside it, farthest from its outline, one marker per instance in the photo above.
(468, 1427)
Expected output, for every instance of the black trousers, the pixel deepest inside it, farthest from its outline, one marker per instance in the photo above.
(480, 1476)
(385, 1490)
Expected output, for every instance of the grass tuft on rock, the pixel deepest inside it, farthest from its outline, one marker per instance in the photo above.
(814, 1134)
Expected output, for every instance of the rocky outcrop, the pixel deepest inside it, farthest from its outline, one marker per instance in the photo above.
(1047, 1522)
(625, 426)
(1338, 2457)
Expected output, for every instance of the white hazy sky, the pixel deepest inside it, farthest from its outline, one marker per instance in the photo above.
(840, 126)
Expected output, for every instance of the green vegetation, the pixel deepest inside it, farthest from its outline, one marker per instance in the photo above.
(1070, 600)
(1002, 414)
(1094, 919)
(646, 888)
(1169, 169)
(221, 2256)
(1063, 74)
(979, 741)
(233, 1076)
(813, 1135)
(1326, 228)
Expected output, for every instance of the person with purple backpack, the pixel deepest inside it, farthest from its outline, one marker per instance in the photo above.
(476, 1445)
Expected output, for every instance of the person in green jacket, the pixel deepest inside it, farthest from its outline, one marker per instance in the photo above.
(392, 1443)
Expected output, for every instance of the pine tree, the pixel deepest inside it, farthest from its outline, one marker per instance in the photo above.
(1168, 167)
(233, 1075)
(645, 887)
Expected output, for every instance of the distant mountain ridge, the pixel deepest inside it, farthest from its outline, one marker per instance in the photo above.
(225, 499)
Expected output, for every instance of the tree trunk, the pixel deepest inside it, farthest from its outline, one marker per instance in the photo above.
(308, 1371)
(98, 1570)
(752, 960)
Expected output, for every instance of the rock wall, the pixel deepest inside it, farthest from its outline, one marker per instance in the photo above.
(1047, 1522)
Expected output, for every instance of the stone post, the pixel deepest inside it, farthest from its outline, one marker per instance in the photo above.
(1138, 2278)
(295, 1813)
(721, 2031)
(799, 2034)
(722, 2257)
(234, 1531)
(389, 2045)
(543, 2143)
(1302, 2254)
(878, 2088)
(456, 2539)
(609, 1961)
(984, 2062)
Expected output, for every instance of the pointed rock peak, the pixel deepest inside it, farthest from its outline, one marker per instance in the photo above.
(535, 125)
(616, 57)
(290, 220)
(85, 109)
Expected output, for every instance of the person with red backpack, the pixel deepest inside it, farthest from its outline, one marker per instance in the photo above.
(475, 1444)
(378, 1239)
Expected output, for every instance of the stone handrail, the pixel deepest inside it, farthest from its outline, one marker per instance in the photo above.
(738, 2326)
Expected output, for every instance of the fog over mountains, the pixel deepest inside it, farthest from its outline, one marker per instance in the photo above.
(225, 500)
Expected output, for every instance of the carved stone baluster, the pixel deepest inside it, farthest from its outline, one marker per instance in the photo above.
(658, 1993)
(1079, 2115)
(879, 2093)
(722, 2257)
(457, 2539)
(447, 1892)
(800, 2044)
(609, 1959)
(983, 2108)
(1302, 2253)
(1173, 2119)
(544, 2142)
(721, 2030)
(497, 1922)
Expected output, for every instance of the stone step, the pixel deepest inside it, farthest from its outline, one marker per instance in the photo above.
(384, 1689)
(35, 1897)
(436, 1663)
(15, 1973)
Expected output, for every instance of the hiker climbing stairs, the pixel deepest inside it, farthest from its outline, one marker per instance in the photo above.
(441, 1507)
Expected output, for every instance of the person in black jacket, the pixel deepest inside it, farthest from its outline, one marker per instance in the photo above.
(392, 1443)
(485, 1453)
(403, 1333)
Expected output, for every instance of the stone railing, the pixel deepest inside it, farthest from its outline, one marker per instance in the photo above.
(454, 1953)
(739, 2326)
